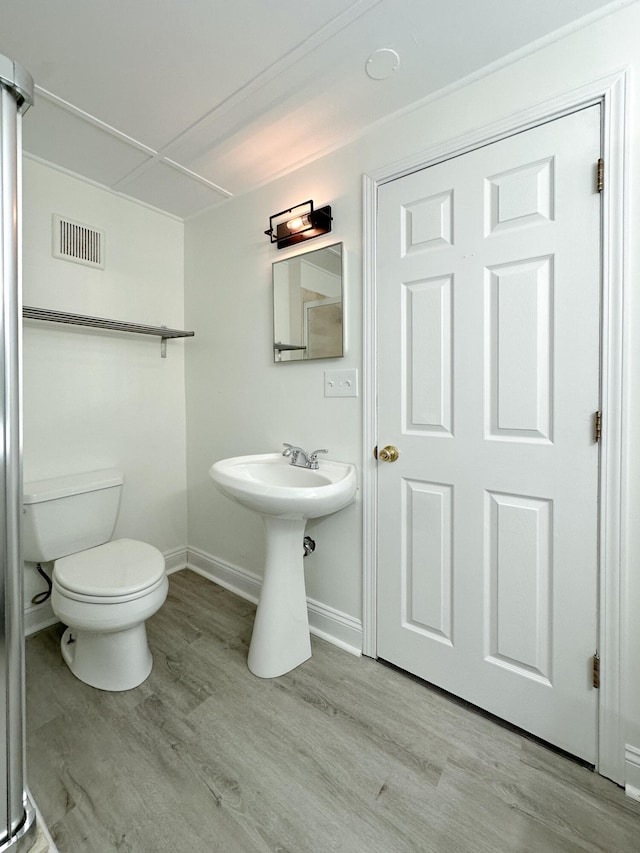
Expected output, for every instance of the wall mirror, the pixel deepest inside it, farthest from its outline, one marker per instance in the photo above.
(307, 305)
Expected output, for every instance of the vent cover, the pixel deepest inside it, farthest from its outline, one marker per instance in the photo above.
(81, 244)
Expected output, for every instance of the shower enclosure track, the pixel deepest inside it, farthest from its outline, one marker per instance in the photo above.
(101, 323)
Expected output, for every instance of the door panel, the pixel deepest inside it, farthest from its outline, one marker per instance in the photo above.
(427, 355)
(519, 573)
(428, 560)
(488, 277)
(519, 347)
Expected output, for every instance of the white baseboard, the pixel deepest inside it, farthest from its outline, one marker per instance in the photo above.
(241, 581)
(175, 559)
(37, 617)
(336, 627)
(326, 622)
(632, 772)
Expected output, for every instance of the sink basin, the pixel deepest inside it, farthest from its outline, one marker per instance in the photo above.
(285, 496)
(269, 484)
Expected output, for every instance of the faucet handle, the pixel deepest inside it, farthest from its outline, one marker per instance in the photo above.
(314, 455)
(288, 449)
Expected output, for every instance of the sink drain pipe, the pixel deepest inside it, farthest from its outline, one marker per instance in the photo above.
(308, 545)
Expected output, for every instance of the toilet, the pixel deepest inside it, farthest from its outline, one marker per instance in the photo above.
(103, 590)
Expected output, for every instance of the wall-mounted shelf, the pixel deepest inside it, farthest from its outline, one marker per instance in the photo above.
(279, 348)
(161, 332)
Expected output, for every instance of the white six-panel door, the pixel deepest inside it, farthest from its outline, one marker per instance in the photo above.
(488, 340)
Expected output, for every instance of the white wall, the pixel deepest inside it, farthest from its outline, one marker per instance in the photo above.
(97, 399)
(238, 401)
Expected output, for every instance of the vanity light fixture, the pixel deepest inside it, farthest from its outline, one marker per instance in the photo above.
(298, 223)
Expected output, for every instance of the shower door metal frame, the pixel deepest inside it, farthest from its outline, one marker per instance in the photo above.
(17, 814)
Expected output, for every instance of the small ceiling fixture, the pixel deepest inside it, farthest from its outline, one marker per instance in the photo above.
(298, 223)
(382, 63)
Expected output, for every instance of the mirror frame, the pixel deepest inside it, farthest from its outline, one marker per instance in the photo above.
(298, 352)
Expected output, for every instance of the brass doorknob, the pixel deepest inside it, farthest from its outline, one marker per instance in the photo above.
(388, 453)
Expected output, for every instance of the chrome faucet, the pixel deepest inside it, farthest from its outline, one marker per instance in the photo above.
(301, 458)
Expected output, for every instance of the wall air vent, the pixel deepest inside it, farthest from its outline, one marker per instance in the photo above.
(81, 244)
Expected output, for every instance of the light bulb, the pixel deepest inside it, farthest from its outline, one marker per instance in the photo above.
(298, 223)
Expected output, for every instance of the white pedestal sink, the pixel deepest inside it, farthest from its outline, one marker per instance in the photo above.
(286, 496)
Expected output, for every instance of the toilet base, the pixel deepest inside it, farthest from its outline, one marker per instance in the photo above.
(113, 661)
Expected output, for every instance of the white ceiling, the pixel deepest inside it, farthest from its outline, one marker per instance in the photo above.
(182, 104)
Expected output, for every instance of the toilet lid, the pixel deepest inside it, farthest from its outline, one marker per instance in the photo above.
(120, 567)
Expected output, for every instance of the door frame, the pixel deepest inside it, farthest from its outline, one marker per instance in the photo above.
(611, 94)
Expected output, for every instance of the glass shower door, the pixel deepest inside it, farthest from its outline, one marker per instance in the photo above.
(17, 824)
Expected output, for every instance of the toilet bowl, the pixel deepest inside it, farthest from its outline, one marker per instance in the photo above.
(103, 591)
(105, 643)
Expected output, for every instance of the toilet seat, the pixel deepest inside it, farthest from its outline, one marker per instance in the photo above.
(118, 571)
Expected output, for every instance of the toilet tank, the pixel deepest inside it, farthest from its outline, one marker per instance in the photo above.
(64, 515)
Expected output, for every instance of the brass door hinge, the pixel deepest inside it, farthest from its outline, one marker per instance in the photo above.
(596, 670)
(597, 427)
(600, 178)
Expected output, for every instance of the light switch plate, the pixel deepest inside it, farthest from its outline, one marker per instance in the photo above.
(341, 383)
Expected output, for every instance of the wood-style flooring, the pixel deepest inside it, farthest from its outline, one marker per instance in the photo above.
(342, 754)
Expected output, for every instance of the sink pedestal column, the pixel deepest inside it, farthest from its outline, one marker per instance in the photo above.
(280, 639)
